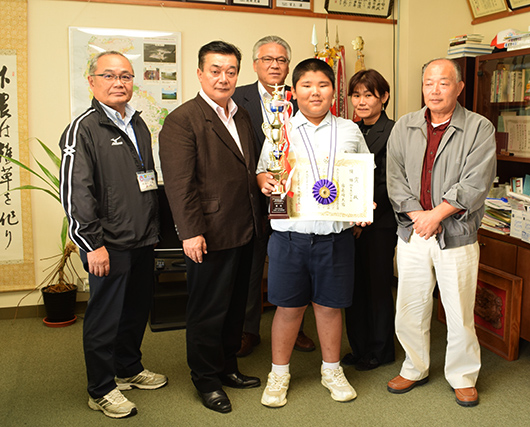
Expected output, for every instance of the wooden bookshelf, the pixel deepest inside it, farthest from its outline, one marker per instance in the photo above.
(505, 253)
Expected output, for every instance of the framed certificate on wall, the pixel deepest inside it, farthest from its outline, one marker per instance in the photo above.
(378, 9)
(294, 4)
(481, 8)
(518, 4)
(257, 3)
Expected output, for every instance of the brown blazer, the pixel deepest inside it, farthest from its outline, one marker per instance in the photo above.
(211, 187)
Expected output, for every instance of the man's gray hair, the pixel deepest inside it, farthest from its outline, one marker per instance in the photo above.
(94, 61)
(455, 64)
(267, 40)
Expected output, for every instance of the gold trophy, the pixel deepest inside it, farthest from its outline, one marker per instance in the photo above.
(275, 132)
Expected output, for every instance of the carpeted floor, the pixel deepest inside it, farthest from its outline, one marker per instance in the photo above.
(43, 384)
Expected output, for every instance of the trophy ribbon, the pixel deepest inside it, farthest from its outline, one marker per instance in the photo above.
(324, 191)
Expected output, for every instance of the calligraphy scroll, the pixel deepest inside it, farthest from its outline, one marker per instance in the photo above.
(11, 241)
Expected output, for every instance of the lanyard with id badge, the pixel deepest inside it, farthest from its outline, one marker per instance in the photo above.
(146, 181)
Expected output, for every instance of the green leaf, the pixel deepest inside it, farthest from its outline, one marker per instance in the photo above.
(33, 187)
(23, 166)
(54, 181)
(51, 154)
(64, 233)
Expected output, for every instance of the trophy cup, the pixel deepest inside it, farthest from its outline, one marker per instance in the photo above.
(275, 132)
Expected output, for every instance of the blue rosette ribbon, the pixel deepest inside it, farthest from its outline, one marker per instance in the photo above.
(324, 191)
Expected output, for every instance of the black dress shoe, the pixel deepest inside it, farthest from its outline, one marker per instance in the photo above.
(216, 401)
(350, 359)
(238, 380)
(367, 364)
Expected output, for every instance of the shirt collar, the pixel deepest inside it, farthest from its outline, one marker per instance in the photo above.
(114, 115)
(299, 120)
(439, 126)
(232, 106)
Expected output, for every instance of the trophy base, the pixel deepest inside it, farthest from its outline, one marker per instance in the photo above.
(278, 207)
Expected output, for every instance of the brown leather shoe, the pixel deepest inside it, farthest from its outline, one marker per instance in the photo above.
(400, 385)
(248, 342)
(303, 342)
(466, 396)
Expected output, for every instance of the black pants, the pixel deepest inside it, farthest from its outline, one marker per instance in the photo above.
(218, 289)
(370, 319)
(116, 316)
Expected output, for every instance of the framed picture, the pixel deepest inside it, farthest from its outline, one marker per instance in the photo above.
(497, 311)
(518, 4)
(207, 1)
(257, 3)
(480, 8)
(294, 4)
(377, 9)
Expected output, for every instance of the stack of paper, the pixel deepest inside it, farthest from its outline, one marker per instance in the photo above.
(468, 45)
(497, 216)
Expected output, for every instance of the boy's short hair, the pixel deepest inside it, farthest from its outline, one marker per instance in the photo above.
(315, 65)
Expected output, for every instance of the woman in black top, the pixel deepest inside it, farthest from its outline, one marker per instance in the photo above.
(370, 319)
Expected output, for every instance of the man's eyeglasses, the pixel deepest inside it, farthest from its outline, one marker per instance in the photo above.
(268, 60)
(124, 78)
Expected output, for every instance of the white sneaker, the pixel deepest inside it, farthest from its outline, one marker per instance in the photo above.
(145, 380)
(113, 405)
(275, 393)
(335, 381)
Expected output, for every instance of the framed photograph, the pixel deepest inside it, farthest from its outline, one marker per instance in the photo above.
(294, 4)
(207, 1)
(376, 9)
(497, 311)
(480, 8)
(518, 4)
(257, 3)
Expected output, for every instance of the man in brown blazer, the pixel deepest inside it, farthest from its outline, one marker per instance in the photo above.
(208, 158)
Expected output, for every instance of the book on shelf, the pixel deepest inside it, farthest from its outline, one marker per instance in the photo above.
(507, 86)
(471, 44)
(464, 54)
(467, 37)
(516, 185)
(474, 49)
(497, 221)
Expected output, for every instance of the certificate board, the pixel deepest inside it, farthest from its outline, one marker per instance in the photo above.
(353, 176)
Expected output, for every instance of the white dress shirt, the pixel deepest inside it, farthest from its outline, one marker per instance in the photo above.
(349, 140)
(228, 121)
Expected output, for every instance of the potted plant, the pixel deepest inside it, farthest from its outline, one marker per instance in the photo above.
(59, 291)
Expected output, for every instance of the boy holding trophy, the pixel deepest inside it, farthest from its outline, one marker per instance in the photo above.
(311, 259)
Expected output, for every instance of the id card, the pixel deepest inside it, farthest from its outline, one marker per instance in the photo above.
(146, 181)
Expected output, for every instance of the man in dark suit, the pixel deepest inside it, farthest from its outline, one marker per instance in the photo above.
(271, 56)
(208, 160)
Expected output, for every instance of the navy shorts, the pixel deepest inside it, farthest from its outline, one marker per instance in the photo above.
(306, 268)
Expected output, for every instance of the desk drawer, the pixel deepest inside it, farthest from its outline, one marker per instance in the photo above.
(498, 254)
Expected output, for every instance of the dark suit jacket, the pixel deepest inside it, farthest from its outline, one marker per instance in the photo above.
(211, 187)
(248, 98)
(376, 140)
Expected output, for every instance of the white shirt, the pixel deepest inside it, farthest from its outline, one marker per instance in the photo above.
(228, 121)
(124, 123)
(349, 140)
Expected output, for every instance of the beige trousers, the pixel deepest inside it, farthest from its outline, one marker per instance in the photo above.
(421, 263)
